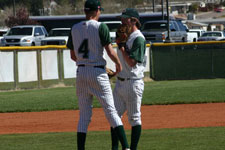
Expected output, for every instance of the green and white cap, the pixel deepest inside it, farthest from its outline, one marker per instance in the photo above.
(130, 12)
(91, 5)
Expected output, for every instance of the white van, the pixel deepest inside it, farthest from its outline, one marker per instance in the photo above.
(198, 31)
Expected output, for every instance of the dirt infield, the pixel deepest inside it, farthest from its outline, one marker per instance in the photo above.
(153, 117)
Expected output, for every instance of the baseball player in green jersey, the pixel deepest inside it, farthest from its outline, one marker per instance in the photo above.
(87, 42)
(129, 86)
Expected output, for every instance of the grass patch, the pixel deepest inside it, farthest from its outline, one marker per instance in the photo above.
(156, 92)
(211, 138)
(7, 86)
(38, 100)
(35, 85)
(184, 91)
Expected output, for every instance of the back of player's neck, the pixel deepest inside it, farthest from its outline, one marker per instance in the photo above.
(91, 18)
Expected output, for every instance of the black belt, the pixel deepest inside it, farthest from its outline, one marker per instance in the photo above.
(123, 79)
(102, 67)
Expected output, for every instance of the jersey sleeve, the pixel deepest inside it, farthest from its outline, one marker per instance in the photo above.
(137, 51)
(104, 34)
(70, 42)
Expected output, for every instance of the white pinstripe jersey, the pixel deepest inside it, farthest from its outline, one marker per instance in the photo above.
(136, 72)
(87, 44)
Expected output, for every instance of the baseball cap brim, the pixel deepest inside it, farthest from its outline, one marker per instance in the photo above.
(129, 13)
(89, 9)
(124, 16)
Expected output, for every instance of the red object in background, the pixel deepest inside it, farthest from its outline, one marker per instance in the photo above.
(218, 9)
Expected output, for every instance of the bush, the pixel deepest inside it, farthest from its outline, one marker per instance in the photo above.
(21, 18)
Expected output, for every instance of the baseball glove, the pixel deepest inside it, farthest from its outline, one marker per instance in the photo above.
(122, 34)
(110, 72)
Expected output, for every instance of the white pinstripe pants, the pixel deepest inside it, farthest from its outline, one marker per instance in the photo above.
(91, 82)
(128, 96)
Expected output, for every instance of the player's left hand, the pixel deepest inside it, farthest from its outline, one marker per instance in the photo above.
(122, 34)
(110, 72)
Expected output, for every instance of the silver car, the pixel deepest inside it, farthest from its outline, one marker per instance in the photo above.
(156, 31)
(24, 35)
(212, 36)
(57, 36)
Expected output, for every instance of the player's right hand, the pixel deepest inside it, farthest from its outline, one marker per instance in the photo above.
(118, 68)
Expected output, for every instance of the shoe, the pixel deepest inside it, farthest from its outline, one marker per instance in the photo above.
(127, 149)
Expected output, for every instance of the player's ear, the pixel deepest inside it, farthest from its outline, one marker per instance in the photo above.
(136, 22)
(132, 19)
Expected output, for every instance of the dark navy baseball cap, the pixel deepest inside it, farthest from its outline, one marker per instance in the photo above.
(129, 12)
(91, 5)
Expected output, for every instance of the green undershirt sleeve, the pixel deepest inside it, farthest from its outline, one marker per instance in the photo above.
(104, 34)
(137, 51)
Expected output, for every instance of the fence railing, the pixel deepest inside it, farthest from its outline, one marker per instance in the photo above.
(40, 63)
(24, 64)
(165, 61)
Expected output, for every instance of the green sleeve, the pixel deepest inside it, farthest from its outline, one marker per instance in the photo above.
(104, 34)
(137, 51)
(70, 42)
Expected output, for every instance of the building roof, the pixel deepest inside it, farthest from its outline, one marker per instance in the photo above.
(197, 23)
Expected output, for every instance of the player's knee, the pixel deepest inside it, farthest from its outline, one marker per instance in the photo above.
(86, 118)
(135, 120)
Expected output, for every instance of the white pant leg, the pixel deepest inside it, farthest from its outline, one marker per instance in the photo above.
(120, 97)
(134, 102)
(103, 92)
(95, 81)
(128, 96)
(84, 101)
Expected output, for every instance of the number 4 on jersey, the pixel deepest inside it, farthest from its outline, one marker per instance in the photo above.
(83, 49)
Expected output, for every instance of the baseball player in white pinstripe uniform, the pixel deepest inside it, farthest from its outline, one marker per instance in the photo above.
(87, 42)
(129, 85)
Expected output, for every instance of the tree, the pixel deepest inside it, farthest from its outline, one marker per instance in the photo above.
(21, 18)
(35, 7)
(194, 8)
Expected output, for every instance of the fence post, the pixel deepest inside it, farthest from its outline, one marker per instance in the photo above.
(15, 68)
(150, 61)
(60, 64)
(39, 67)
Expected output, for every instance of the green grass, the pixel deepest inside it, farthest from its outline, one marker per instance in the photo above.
(7, 86)
(184, 91)
(211, 138)
(38, 100)
(156, 92)
(35, 84)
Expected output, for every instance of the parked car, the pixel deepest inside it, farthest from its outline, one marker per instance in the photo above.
(112, 25)
(3, 31)
(198, 31)
(191, 36)
(212, 36)
(57, 36)
(25, 35)
(156, 31)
